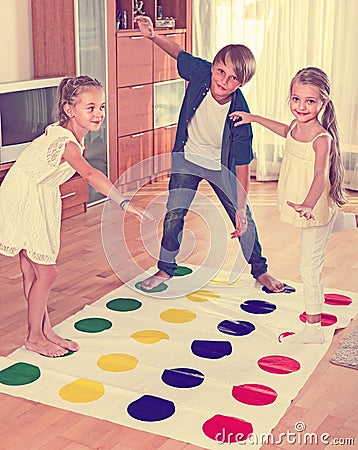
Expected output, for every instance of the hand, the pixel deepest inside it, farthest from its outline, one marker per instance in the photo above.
(145, 26)
(241, 223)
(303, 210)
(240, 118)
(139, 213)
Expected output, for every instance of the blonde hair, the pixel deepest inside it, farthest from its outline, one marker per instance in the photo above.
(68, 91)
(242, 59)
(319, 79)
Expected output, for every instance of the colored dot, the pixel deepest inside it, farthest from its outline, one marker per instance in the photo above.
(149, 336)
(226, 429)
(278, 364)
(124, 304)
(211, 349)
(258, 307)
(326, 319)
(202, 295)
(254, 394)
(19, 374)
(117, 362)
(93, 325)
(182, 377)
(181, 271)
(160, 288)
(284, 334)
(337, 300)
(236, 328)
(151, 409)
(82, 391)
(177, 315)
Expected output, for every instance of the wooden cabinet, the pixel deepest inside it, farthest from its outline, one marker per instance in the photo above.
(143, 121)
(135, 159)
(163, 144)
(164, 66)
(134, 68)
(74, 196)
(134, 60)
(135, 109)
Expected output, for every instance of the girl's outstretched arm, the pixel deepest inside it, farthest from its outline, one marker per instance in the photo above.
(98, 180)
(242, 117)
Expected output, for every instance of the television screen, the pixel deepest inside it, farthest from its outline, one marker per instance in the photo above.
(25, 114)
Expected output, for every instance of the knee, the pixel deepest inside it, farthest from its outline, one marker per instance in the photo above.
(175, 216)
(48, 275)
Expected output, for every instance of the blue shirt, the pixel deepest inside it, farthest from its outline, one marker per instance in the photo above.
(236, 148)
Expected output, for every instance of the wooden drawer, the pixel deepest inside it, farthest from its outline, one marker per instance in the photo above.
(134, 60)
(163, 145)
(74, 196)
(165, 67)
(135, 109)
(132, 150)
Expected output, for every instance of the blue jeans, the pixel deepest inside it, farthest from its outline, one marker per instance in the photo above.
(183, 184)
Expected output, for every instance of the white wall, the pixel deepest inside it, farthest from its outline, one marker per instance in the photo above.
(15, 40)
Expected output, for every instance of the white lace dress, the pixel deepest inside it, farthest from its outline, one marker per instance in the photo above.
(30, 202)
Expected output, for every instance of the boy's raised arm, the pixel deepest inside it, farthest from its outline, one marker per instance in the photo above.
(146, 27)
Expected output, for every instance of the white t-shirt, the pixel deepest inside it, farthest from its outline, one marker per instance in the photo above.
(205, 131)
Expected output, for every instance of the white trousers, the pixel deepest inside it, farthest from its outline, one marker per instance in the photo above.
(314, 242)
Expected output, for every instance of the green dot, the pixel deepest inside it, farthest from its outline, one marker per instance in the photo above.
(93, 325)
(181, 271)
(124, 304)
(19, 374)
(160, 288)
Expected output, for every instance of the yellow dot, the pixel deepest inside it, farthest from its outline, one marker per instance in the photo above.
(177, 315)
(149, 336)
(202, 296)
(223, 279)
(82, 391)
(117, 362)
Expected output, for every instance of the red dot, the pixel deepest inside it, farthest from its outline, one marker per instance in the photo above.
(284, 334)
(254, 394)
(337, 299)
(326, 319)
(226, 429)
(278, 364)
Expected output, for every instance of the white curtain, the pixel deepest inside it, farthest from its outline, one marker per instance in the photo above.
(285, 36)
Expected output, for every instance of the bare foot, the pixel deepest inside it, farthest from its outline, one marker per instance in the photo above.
(155, 280)
(64, 343)
(270, 282)
(45, 348)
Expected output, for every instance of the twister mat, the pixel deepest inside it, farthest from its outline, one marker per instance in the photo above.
(206, 368)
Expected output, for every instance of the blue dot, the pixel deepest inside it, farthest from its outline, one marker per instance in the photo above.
(258, 307)
(182, 377)
(211, 349)
(236, 328)
(151, 409)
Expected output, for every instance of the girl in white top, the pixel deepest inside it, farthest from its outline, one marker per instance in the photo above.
(30, 203)
(310, 184)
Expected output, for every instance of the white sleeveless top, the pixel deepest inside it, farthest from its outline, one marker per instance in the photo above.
(296, 176)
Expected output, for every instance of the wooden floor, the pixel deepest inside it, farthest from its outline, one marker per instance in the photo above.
(327, 402)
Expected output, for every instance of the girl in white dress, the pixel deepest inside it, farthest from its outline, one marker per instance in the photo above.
(310, 184)
(30, 203)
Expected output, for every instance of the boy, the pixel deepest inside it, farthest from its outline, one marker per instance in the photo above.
(209, 147)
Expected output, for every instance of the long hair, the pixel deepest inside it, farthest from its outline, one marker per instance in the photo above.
(316, 77)
(68, 91)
